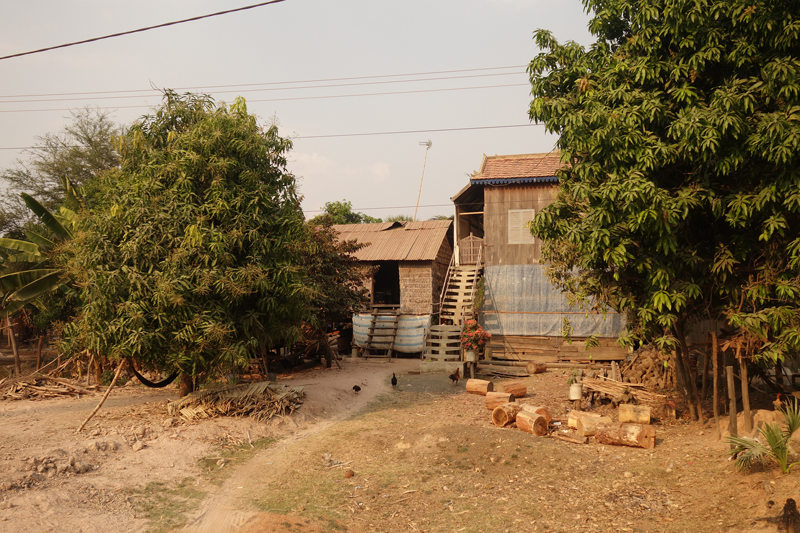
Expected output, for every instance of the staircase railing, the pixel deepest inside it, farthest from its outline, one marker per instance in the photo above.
(475, 280)
(447, 277)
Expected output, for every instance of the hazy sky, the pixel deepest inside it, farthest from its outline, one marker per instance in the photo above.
(274, 55)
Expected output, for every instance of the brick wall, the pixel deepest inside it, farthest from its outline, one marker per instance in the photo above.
(415, 287)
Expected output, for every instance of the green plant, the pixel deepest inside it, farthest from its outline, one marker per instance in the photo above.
(473, 337)
(751, 451)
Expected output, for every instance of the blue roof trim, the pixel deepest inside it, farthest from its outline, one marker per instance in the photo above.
(506, 181)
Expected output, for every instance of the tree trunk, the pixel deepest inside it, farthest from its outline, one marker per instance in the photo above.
(588, 426)
(535, 368)
(715, 361)
(532, 423)
(479, 386)
(779, 373)
(495, 399)
(576, 415)
(638, 414)
(693, 398)
(504, 415)
(618, 434)
(537, 410)
(12, 339)
(187, 385)
(704, 394)
(519, 390)
(748, 421)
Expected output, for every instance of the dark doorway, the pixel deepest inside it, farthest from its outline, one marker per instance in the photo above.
(387, 284)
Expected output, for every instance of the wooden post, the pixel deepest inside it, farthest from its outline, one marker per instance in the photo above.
(39, 353)
(734, 431)
(748, 421)
(12, 339)
(715, 361)
(704, 394)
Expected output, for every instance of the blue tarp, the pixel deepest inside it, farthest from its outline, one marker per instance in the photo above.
(519, 300)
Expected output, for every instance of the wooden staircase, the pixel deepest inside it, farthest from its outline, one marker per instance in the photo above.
(457, 297)
(382, 331)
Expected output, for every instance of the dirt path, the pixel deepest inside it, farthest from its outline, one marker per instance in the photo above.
(330, 396)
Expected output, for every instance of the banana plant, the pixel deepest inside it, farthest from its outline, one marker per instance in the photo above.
(20, 288)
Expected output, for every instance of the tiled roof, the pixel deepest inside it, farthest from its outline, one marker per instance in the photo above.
(397, 241)
(518, 168)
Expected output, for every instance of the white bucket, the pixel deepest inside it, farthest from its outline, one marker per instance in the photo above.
(576, 391)
(470, 355)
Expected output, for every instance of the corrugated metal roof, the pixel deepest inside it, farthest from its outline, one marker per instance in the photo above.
(397, 241)
(525, 168)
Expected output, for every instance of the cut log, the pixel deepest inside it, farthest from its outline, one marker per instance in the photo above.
(532, 423)
(586, 426)
(496, 399)
(574, 415)
(518, 389)
(506, 414)
(535, 368)
(479, 386)
(637, 414)
(538, 410)
(618, 434)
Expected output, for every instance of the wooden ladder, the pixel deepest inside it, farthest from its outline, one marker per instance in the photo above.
(382, 333)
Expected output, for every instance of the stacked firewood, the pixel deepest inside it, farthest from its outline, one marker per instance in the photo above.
(647, 367)
(40, 387)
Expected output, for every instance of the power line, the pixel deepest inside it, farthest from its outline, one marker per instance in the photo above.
(399, 132)
(290, 98)
(270, 83)
(157, 93)
(141, 29)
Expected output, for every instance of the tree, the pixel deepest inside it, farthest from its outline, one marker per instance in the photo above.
(80, 152)
(680, 127)
(342, 213)
(399, 218)
(191, 257)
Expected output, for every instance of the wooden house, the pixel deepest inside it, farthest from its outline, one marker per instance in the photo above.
(522, 310)
(412, 259)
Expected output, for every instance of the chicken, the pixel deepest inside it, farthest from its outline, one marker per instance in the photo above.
(394, 381)
(454, 377)
(356, 389)
(777, 403)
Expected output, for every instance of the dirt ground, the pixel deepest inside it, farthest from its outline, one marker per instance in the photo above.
(424, 457)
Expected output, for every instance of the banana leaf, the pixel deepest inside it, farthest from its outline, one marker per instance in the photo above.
(25, 258)
(38, 287)
(20, 246)
(18, 280)
(44, 243)
(46, 216)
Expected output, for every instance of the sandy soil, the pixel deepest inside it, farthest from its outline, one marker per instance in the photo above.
(98, 499)
(424, 457)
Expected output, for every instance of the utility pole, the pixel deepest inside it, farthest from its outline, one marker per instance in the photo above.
(427, 146)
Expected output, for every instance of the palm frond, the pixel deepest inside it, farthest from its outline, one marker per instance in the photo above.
(748, 452)
(46, 216)
(261, 400)
(791, 413)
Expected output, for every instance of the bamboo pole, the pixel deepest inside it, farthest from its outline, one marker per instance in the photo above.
(748, 422)
(108, 391)
(734, 431)
(715, 361)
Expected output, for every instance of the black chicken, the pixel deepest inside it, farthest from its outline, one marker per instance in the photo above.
(394, 380)
(356, 389)
(454, 377)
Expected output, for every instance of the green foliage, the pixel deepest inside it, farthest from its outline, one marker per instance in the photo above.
(681, 129)
(191, 257)
(749, 452)
(399, 218)
(342, 213)
(334, 273)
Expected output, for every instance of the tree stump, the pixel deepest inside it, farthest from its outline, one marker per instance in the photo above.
(532, 423)
(538, 410)
(575, 415)
(506, 414)
(479, 386)
(518, 389)
(535, 368)
(634, 435)
(637, 414)
(587, 426)
(496, 399)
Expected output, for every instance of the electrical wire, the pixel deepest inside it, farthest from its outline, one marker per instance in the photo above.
(141, 29)
(292, 98)
(321, 80)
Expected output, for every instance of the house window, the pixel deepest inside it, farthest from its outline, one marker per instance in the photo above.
(518, 230)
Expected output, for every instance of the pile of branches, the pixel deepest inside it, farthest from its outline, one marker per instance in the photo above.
(40, 387)
(262, 401)
(619, 391)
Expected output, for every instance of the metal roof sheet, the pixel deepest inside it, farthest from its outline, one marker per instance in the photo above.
(397, 241)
